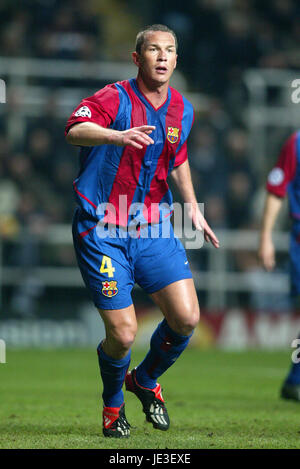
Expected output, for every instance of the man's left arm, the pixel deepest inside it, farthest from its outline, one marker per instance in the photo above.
(181, 175)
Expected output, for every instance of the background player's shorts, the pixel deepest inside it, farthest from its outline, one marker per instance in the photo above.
(295, 259)
(111, 265)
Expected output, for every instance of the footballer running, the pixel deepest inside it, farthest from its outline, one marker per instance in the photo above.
(133, 135)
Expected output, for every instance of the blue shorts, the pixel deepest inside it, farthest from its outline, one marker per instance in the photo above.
(295, 259)
(111, 261)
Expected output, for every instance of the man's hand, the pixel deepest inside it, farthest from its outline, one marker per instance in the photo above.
(135, 137)
(201, 224)
(266, 253)
(91, 134)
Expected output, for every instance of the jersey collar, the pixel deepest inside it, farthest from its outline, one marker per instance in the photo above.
(142, 97)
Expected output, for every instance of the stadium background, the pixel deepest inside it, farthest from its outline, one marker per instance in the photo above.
(237, 61)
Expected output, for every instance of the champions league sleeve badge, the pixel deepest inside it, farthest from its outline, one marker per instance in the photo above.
(109, 288)
(84, 111)
(276, 176)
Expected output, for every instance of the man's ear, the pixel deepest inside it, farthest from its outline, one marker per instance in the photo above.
(176, 62)
(136, 58)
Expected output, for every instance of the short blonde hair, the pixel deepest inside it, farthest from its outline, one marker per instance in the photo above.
(140, 38)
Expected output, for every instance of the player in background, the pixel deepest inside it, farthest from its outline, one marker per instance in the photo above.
(284, 179)
(133, 134)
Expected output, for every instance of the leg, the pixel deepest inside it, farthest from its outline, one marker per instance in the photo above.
(120, 327)
(114, 359)
(179, 304)
(114, 352)
(291, 386)
(109, 281)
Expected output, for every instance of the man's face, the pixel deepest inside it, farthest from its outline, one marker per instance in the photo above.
(158, 57)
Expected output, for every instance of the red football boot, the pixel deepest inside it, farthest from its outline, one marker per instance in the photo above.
(153, 403)
(115, 424)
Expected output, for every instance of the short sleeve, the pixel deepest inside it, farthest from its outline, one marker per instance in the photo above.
(101, 108)
(181, 155)
(285, 169)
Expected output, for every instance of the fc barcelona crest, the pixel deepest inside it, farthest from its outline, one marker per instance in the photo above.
(173, 134)
(109, 288)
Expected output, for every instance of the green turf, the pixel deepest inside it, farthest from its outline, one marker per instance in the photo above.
(216, 399)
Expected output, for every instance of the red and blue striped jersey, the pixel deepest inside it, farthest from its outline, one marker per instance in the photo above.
(108, 171)
(285, 176)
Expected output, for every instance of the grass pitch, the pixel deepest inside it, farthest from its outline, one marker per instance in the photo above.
(215, 399)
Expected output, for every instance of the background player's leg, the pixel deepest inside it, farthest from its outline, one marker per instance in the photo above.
(179, 304)
(114, 352)
(291, 386)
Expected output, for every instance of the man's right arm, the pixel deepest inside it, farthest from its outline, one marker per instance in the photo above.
(278, 179)
(266, 251)
(91, 134)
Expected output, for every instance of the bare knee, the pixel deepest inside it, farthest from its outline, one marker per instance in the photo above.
(191, 322)
(119, 341)
(123, 338)
(185, 324)
(120, 327)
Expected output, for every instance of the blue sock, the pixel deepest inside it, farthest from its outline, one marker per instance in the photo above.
(165, 347)
(113, 374)
(294, 374)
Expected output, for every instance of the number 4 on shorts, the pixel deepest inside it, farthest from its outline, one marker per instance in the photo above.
(106, 266)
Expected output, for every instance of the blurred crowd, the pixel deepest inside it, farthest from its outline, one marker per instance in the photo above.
(50, 29)
(218, 40)
(221, 38)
